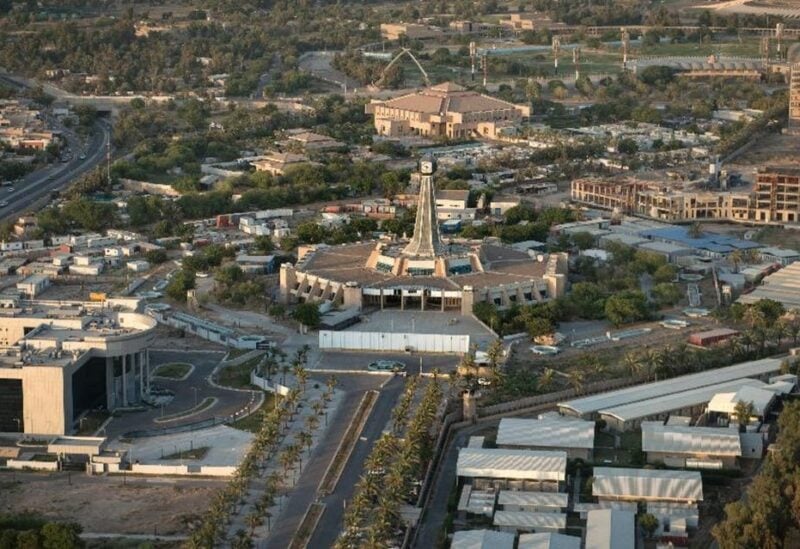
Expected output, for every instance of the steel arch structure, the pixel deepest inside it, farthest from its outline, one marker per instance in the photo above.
(404, 51)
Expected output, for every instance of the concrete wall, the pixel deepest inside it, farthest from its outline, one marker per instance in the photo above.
(388, 341)
(183, 470)
(37, 465)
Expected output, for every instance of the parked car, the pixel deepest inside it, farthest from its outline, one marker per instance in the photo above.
(386, 366)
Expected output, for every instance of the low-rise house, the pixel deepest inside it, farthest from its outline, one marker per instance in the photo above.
(713, 337)
(691, 447)
(501, 204)
(33, 285)
(574, 436)
(455, 199)
(139, 266)
(257, 264)
(277, 163)
(611, 529)
(762, 399)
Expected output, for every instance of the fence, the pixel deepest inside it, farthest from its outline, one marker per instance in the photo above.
(388, 341)
(183, 470)
(267, 385)
(30, 464)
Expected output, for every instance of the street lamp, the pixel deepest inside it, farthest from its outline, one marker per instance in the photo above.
(195, 396)
(19, 429)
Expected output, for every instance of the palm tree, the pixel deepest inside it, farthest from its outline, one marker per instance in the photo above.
(253, 521)
(331, 383)
(547, 379)
(736, 257)
(576, 380)
(304, 438)
(312, 422)
(743, 411)
(695, 230)
(302, 375)
(633, 363)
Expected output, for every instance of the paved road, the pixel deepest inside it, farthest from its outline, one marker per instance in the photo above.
(331, 523)
(228, 401)
(39, 184)
(329, 360)
(305, 492)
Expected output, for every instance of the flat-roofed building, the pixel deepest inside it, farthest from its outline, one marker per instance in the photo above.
(674, 519)
(445, 110)
(536, 470)
(693, 402)
(455, 199)
(777, 195)
(794, 99)
(548, 540)
(713, 337)
(62, 361)
(588, 407)
(610, 529)
(693, 447)
(412, 31)
(482, 539)
(664, 485)
(574, 436)
(276, 163)
(526, 521)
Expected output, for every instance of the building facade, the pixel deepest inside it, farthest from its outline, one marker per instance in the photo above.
(794, 99)
(444, 110)
(61, 361)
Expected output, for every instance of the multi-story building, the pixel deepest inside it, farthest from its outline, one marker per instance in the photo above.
(775, 198)
(59, 362)
(445, 110)
(777, 192)
(412, 31)
(794, 99)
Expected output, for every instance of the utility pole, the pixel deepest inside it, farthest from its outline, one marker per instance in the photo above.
(576, 60)
(108, 160)
(765, 51)
(626, 41)
(485, 67)
(779, 37)
(473, 52)
(556, 50)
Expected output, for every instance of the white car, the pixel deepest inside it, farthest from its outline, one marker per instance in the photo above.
(484, 381)
(3, 203)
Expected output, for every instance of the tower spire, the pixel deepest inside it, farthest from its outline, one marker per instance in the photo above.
(426, 241)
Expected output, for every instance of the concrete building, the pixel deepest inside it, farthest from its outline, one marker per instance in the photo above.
(412, 31)
(33, 285)
(691, 447)
(277, 163)
(444, 110)
(777, 194)
(574, 436)
(455, 199)
(423, 273)
(526, 521)
(501, 204)
(724, 403)
(61, 361)
(610, 529)
(794, 99)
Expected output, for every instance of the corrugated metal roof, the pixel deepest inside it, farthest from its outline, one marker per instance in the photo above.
(528, 519)
(725, 402)
(673, 439)
(511, 464)
(662, 484)
(548, 432)
(541, 499)
(610, 529)
(548, 540)
(482, 539)
(676, 401)
(593, 403)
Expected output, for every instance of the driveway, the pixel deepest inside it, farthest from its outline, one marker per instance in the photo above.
(229, 401)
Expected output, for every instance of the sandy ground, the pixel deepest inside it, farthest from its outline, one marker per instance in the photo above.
(109, 504)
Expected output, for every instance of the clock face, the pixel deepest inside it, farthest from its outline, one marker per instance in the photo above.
(426, 166)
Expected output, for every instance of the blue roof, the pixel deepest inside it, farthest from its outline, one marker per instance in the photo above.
(712, 242)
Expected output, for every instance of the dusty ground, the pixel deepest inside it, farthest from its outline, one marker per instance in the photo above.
(169, 338)
(109, 504)
(772, 149)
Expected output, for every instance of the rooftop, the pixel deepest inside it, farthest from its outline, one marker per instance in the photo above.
(675, 439)
(531, 520)
(610, 529)
(549, 432)
(482, 539)
(725, 402)
(511, 464)
(447, 97)
(711, 242)
(660, 484)
(548, 540)
(782, 286)
(638, 393)
(533, 499)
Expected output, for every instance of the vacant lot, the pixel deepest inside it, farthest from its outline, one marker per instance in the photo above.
(110, 504)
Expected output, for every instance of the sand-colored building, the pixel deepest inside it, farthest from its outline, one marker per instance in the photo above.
(412, 31)
(794, 99)
(61, 361)
(445, 110)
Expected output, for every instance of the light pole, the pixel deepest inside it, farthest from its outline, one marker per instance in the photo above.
(19, 429)
(195, 396)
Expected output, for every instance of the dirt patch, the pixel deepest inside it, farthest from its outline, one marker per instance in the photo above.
(174, 339)
(109, 505)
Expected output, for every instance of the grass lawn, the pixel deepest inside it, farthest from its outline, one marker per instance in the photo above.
(173, 370)
(252, 423)
(196, 453)
(236, 353)
(237, 377)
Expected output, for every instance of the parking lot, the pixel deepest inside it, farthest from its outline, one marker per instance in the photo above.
(352, 361)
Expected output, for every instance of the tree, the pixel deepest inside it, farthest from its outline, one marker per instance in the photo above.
(182, 282)
(695, 230)
(547, 379)
(649, 523)
(625, 307)
(583, 240)
(156, 257)
(743, 411)
(627, 146)
(538, 326)
(667, 294)
(61, 535)
(307, 314)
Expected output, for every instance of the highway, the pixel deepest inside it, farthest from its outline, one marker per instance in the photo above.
(39, 184)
